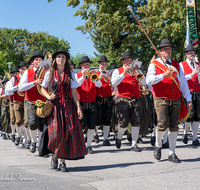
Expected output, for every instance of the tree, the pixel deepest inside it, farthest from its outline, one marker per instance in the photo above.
(107, 20)
(18, 45)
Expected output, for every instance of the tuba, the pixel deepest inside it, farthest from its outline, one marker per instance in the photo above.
(134, 72)
(92, 74)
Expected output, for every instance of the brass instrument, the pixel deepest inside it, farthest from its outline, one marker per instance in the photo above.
(7, 75)
(108, 75)
(92, 74)
(5, 101)
(134, 72)
(48, 55)
(20, 93)
(143, 89)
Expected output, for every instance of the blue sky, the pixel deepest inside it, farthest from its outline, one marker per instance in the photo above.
(54, 18)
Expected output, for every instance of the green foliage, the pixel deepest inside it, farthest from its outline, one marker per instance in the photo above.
(18, 45)
(106, 20)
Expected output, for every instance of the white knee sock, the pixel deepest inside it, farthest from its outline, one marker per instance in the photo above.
(106, 130)
(96, 129)
(33, 135)
(134, 135)
(159, 136)
(28, 134)
(120, 132)
(39, 137)
(24, 133)
(185, 130)
(195, 128)
(19, 131)
(13, 127)
(172, 142)
(165, 136)
(90, 135)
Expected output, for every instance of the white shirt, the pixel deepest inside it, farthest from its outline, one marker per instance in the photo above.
(117, 78)
(81, 79)
(10, 87)
(45, 83)
(1, 91)
(189, 76)
(153, 78)
(24, 85)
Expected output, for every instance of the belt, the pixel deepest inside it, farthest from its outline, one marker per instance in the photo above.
(129, 101)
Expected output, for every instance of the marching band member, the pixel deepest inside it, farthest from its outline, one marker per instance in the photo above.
(191, 70)
(66, 139)
(167, 97)
(14, 73)
(5, 112)
(28, 83)
(87, 98)
(104, 101)
(72, 64)
(128, 101)
(18, 101)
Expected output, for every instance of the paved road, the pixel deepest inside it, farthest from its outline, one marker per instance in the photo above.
(107, 169)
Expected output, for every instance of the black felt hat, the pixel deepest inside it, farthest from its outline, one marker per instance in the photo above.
(22, 64)
(190, 48)
(113, 66)
(126, 54)
(71, 62)
(5, 80)
(165, 43)
(36, 54)
(85, 59)
(60, 51)
(14, 70)
(103, 58)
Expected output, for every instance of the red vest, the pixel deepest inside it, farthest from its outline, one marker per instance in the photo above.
(104, 90)
(15, 95)
(128, 87)
(2, 93)
(166, 88)
(193, 82)
(87, 91)
(32, 94)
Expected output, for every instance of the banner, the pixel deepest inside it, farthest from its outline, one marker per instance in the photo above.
(191, 24)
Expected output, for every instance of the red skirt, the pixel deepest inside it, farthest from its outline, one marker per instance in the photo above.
(65, 131)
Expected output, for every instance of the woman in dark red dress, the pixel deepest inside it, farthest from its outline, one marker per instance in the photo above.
(64, 128)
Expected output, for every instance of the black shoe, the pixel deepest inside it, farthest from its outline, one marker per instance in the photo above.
(96, 138)
(33, 147)
(63, 167)
(174, 158)
(4, 136)
(17, 140)
(106, 143)
(140, 140)
(54, 162)
(135, 148)
(185, 139)
(27, 144)
(195, 142)
(13, 137)
(8, 137)
(118, 143)
(157, 153)
(165, 145)
(89, 150)
(153, 140)
(129, 137)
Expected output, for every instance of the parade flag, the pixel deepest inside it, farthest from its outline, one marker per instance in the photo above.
(191, 24)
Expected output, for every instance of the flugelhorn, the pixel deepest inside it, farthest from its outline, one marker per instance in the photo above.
(134, 72)
(92, 74)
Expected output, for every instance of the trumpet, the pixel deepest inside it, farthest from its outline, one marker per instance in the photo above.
(108, 74)
(92, 74)
(134, 72)
(143, 89)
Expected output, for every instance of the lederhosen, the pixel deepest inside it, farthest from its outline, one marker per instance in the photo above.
(128, 101)
(31, 96)
(194, 87)
(167, 99)
(18, 105)
(87, 98)
(5, 117)
(104, 102)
